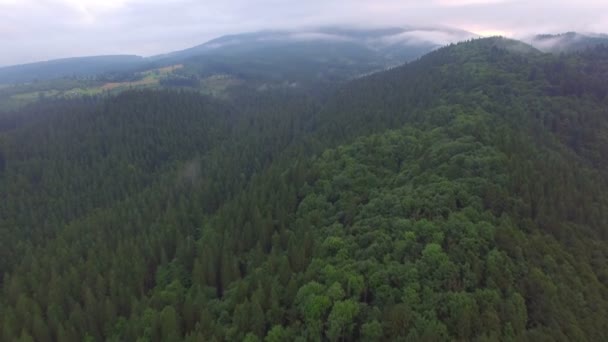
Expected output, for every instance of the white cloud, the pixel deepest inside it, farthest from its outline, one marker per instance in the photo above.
(427, 36)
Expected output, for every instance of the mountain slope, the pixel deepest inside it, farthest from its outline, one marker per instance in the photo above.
(69, 67)
(461, 196)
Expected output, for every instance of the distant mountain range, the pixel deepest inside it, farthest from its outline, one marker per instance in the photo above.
(372, 48)
(343, 50)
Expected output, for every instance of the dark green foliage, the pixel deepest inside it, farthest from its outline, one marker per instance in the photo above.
(460, 197)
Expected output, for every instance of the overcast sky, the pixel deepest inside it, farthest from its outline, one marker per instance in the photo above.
(33, 30)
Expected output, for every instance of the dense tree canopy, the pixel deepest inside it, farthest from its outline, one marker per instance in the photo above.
(458, 197)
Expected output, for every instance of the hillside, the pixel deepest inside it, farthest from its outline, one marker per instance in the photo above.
(68, 67)
(457, 197)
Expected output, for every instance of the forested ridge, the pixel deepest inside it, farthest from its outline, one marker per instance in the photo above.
(458, 197)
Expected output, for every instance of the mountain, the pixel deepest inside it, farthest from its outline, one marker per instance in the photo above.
(568, 42)
(354, 50)
(461, 196)
(397, 44)
(330, 53)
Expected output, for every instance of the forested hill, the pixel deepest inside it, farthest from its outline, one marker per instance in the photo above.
(458, 197)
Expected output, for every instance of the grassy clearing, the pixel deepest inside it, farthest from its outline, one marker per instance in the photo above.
(148, 78)
(146, 81)
(166, 70)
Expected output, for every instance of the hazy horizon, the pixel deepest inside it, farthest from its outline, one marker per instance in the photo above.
(40, 30)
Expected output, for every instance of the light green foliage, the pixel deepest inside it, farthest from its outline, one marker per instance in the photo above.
(371, 331)
(341, 320)
(277, 334)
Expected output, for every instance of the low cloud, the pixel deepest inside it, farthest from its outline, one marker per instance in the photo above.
(548, 44)
(310, 36)
(436, 37)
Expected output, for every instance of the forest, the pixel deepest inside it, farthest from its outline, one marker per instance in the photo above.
(461, 196)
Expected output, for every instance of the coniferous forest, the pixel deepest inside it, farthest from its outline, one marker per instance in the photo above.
(461, 196)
